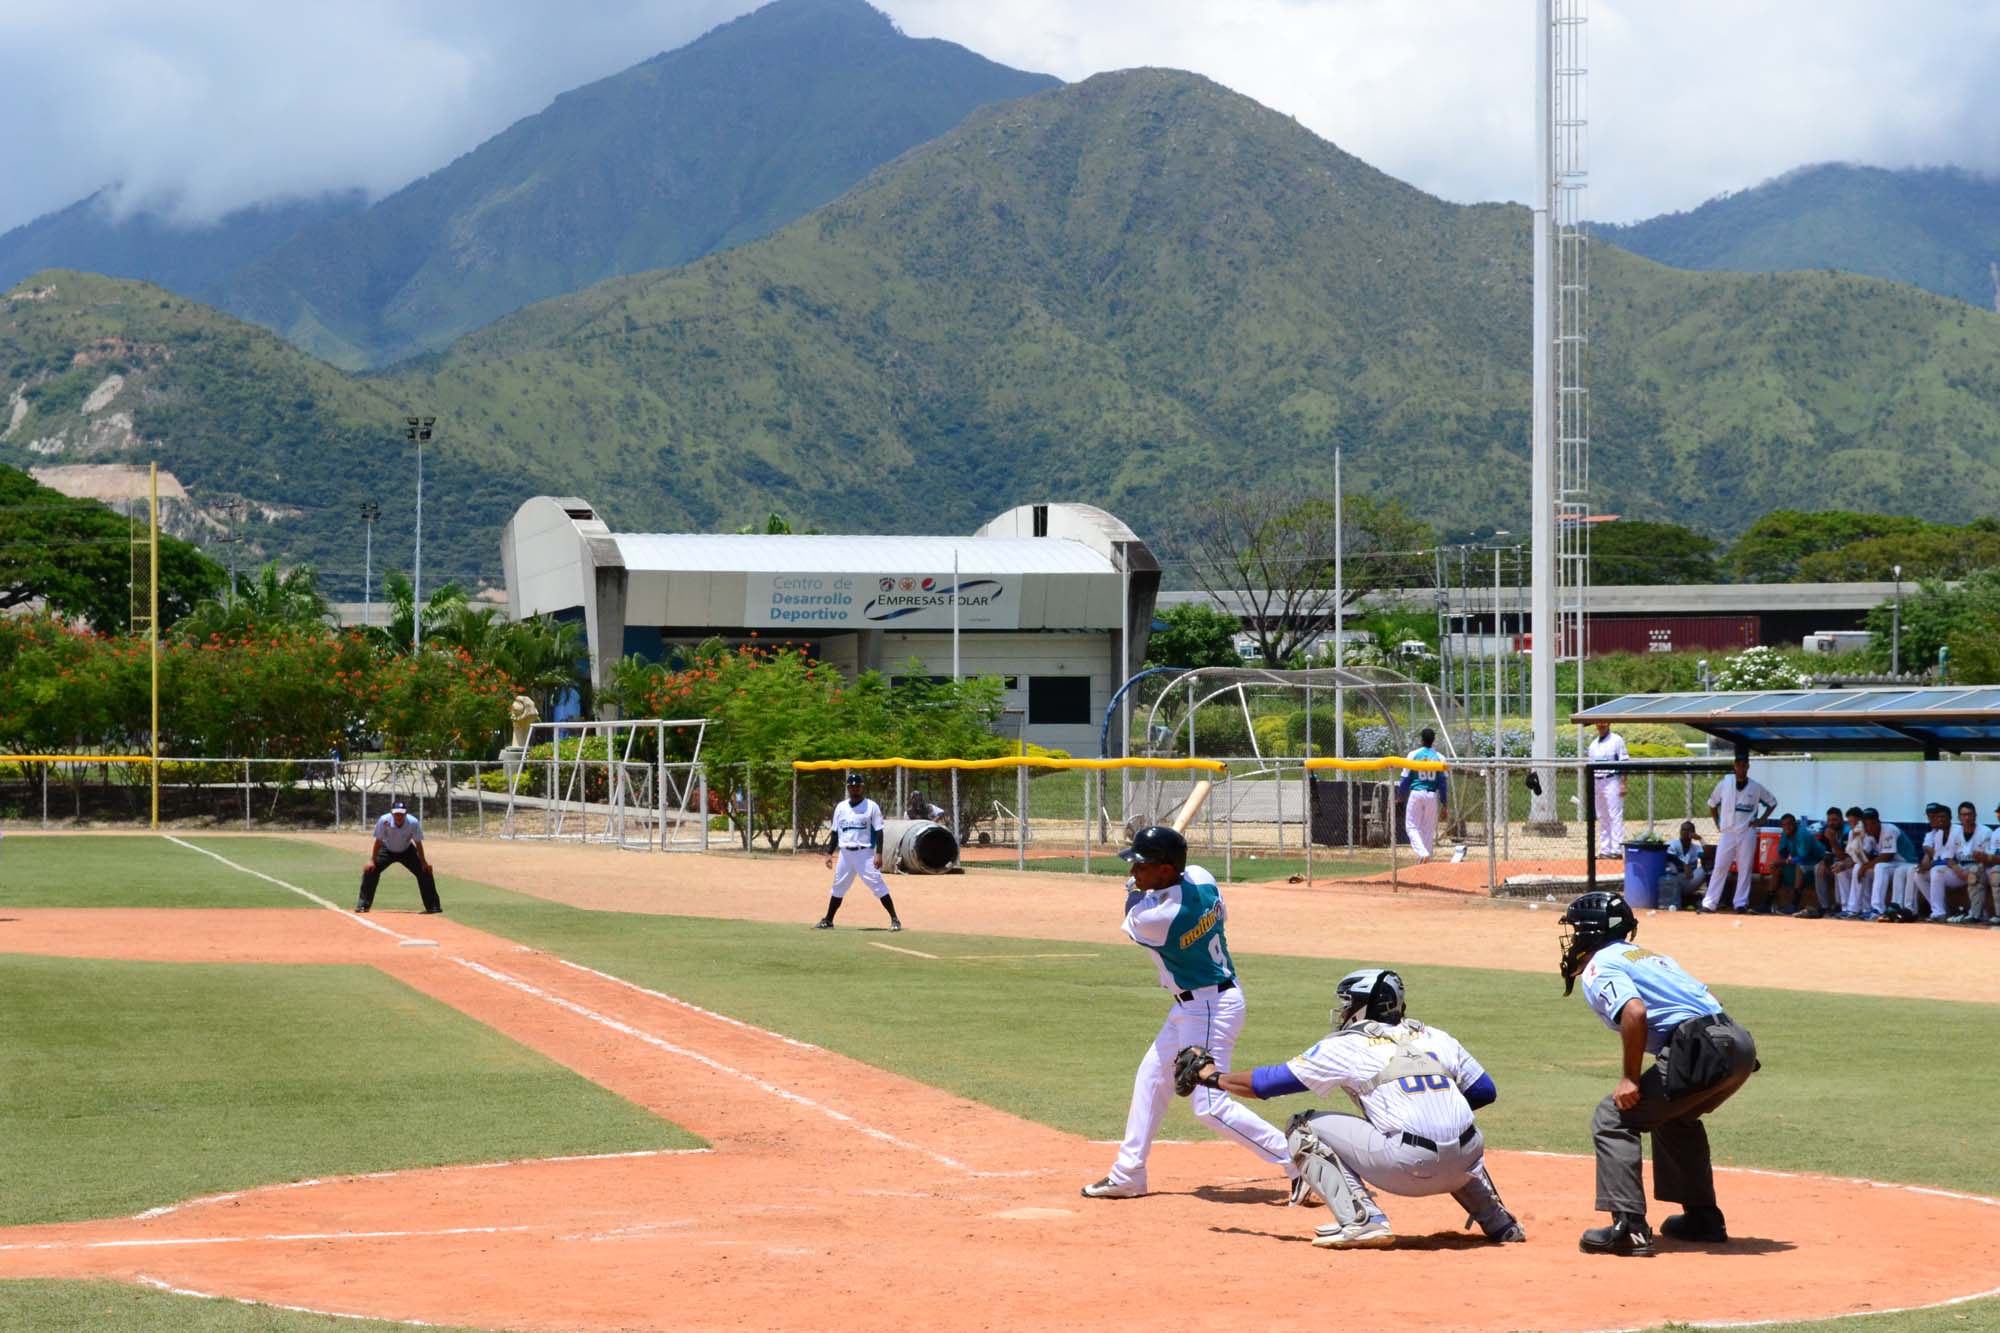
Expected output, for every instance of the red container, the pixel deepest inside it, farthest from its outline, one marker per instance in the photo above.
(1767, 851)
(1672, 634)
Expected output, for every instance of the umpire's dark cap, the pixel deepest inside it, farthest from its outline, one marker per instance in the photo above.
(396, 805)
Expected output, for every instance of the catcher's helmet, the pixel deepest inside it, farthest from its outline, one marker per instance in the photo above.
(1372, 993)
(1588, 924)
(1156, 844)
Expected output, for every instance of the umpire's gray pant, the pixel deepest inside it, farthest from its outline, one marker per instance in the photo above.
(1681, 1169)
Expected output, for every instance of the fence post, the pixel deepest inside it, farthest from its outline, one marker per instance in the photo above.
(246, 795)
(449, 791)
(1087, 775)
(1229, 825)
(795, 811)
(45, 793)
(701, 795)
(749, 811)
(1021, 817)
(1306, 773)
(1278, 789)
(1493, 777)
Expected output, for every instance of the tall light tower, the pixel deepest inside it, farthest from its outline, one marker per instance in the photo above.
(417, 430)
(1561, 417)
(370, 511)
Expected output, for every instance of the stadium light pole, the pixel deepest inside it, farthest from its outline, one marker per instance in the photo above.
(1896, 629)
(370, 511)
(417, 430)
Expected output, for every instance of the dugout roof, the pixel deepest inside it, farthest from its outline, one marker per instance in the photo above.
(1931, 718)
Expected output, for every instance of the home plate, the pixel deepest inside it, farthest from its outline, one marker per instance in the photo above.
(1035, 1214)
(416, 944)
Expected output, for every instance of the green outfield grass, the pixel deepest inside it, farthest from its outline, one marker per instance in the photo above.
(126, 872)
(128, 1085)
(52, 1305)
(1051, 1039)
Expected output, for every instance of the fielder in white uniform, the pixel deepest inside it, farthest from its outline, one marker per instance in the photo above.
(857, 841)
(1609, 747)
(1887, 871)
(1736, 805)
(1416, 1089)
(1428, 796)
(1175, 911)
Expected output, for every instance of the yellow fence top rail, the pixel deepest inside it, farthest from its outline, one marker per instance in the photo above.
(1377, 765)
(76, 759)
(1007, 761)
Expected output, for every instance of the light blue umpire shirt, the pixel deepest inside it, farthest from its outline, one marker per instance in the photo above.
(395, 839)
(1622, 971)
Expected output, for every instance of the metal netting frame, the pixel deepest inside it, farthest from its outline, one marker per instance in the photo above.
(670, 807)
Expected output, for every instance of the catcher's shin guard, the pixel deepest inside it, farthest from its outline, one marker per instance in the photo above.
(1346, 1197)
(1481, 1201)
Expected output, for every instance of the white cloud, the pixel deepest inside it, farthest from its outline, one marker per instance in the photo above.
(211, 104)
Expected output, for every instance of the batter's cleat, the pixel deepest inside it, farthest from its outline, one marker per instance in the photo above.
(1108, 1188)
(432, 911)
(1368, 1235)
(894, 925)
(359, 909)
(822, 924)
(1625, 1236)
(1701, 1225)
(1303, 1194)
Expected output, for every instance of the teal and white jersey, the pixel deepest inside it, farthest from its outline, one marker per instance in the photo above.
(1426, 779)
(1622, 971)
(1181, 926)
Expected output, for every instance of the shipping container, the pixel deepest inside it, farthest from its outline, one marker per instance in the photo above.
(1672, 634)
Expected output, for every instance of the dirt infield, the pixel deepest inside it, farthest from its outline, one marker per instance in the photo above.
(841, 1197)
(1357, 920)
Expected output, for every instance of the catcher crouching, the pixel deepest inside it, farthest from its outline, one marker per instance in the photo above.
(1416, 1088)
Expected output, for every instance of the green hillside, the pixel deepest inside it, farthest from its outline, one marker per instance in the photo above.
(693, 151)
(1128, 291)
(1935, 228)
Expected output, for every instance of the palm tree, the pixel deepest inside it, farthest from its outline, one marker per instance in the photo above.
(271, 600)
(544, 658)
(441, 607)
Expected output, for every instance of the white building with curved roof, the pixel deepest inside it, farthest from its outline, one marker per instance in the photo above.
(1056, 599)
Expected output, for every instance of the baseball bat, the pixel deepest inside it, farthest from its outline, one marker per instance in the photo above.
(1192, 805)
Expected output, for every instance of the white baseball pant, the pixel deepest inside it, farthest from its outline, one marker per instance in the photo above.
(1737, 847)
(1610, 816)
(852, 861)
(1943, 879)
(1420, 822)
(1208, 1018)
(1893, 880)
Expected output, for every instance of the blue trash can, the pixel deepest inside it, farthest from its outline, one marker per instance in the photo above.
(1644, 864)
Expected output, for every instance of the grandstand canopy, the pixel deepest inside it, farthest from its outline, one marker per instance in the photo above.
(1935, 718)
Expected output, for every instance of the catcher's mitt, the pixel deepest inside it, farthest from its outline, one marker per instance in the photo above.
(1187, 1070)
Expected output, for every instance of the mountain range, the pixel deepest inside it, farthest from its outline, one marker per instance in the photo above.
(1132, 291)
(695, 150)
(1936, 228)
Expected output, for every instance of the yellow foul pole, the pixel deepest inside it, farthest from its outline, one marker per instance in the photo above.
(153, 626)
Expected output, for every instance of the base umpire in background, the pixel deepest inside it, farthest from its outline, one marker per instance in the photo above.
(399, 838)
(1701, 1056)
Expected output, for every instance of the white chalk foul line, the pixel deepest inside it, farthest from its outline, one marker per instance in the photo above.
(307, 894)
(691, 1008)
(911, 952)
(275, 1238)
(207, 1199)
(159, 1285)
(786, 1094)
(972, 957)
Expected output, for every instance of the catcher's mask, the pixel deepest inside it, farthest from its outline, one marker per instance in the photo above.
(1371, 993)
(1588, 924)
(1157, 844)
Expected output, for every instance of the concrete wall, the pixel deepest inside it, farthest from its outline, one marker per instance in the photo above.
(1899, 788)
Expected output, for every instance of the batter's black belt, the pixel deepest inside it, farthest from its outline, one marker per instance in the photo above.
(1419, 1141)
(1186, 995)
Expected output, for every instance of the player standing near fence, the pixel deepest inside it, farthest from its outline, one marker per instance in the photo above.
(1609, 790)
(1428, 797)
(1736, 804)
(857, 845)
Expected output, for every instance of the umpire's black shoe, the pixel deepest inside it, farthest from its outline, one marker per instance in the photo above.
(822, 924)
(1626, 1235)
(1702, 1225)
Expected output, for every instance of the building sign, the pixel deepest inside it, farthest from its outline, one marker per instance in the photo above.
(881, 601)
